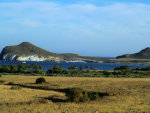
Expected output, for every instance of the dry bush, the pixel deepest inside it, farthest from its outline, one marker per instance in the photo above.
(75, 94)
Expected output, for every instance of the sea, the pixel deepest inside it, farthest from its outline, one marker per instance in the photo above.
(49, 65)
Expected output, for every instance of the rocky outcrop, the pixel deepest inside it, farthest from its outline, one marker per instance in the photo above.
(29, 52)
(144, 54)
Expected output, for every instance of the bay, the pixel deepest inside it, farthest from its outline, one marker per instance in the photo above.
(49, 65)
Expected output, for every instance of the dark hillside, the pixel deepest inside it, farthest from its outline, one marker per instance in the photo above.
(143, 54)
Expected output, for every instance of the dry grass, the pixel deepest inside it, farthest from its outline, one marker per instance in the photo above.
(126, 95)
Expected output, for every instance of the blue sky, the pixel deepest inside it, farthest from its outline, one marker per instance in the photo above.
(86, 27)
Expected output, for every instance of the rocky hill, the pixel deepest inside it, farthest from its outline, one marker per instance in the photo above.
(29, 52)
(144, 54)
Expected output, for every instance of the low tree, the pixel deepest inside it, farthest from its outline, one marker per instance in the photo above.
(126, 68)
(14, 69)
(92, 68)
(65, 71)
(72, 67)
(50, 71)
(57, 69)
(81, 68)
(21, 68)
(86, 67)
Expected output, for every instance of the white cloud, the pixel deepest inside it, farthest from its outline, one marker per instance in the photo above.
(122, 17)
(82, 27)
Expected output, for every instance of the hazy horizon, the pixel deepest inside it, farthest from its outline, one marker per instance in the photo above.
(89, 28)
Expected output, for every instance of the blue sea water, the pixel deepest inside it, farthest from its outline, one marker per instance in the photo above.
(65, 65)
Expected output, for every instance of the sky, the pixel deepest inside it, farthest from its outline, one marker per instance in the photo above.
(104, 28)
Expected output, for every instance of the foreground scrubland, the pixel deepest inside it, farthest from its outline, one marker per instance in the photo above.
(126, 95)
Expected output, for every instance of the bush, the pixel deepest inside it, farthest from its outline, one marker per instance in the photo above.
(50, 71)
(78, 95)
(0, 75)
(93, 95)
(122, 68)
(85, 97)
(16, 87)
(2, 81)
(40, 80)
(75, 94)
(106, 73)
(11, 83)
(66, 72)
(57, 69)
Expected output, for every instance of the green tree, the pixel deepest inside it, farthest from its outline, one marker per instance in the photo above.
(21, 68)
(125, 68)
(81, 68)
(66, 71)
(5, 69)
(36, 68)
(86, 67)
(92, 68)
(57, 69)
(14, 69)
(40, 67)
(72, 67)
(31, 67)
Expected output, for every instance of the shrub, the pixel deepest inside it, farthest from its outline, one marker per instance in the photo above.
(93, 95)
(75, 94)
(0, 75)
(66, 72)
(11, 83)
(57, 69)
(75, 72)
(16, 87)
(78, 95)
(50, 71)
(106, 73)
(2, 81)
(85, 97)
(122, 68)
(40, 80)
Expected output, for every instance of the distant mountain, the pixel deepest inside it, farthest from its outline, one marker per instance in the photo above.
(29, 52)
(144, 54)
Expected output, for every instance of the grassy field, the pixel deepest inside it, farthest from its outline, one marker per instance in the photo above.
(126, 95)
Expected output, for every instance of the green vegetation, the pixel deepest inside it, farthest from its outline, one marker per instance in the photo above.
(21, 68)
(79, 95)
(57, 69)
(121, 71)
(86, 67)
(40, 80)
(11, 83)
(126, 68)
(73, 70)
(92, 95)
(75, 94)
